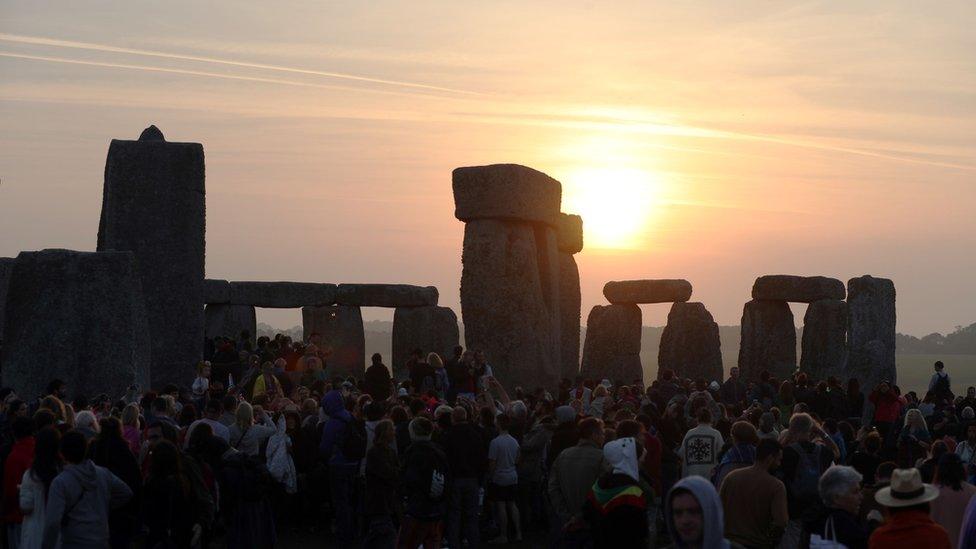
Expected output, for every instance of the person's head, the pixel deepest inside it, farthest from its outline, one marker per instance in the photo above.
(734, 372)
(459, 415)
(872, 443)
(86, 420)
(74, 447)
(160, 407)
(704, 416)
(17, 408)
(165, 460)
(801, 425)
(421, 429)
(971, 433)
(767, 422)
(244, 416)
(503, 422)
(743, 432)
(212, 409)
(43, 418)
(435, 360)
(376, 359)
(950, 471)
(914, 420)
(885, 469)
(384, 434)
(109, 428)
(458, 351)
(884, 387)
(57, 388)
(203, 368)
(840, 488)
(47, 455)
(623, 455)
(591, 429)
(971, 392)
(160, 430)
(693, 512)
(769, 452)
(939, 366)
(906, 492)
(22, 427)
(229, 404)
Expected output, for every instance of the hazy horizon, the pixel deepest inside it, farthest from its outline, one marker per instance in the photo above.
(713, 141)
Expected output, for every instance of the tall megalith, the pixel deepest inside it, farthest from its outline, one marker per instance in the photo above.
(430, 329)
(824, 345)
(690, 344)
(153, 205)
(510, 280)
(871, 330)
(570, 240)
(6, 268)
(613, 342)
(768, 339)
(77, 316)
(340, 329)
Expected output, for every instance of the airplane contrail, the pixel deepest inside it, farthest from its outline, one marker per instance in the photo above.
(41, 41)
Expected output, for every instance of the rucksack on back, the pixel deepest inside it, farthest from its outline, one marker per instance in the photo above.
(438, 479)
(804, 485)
(941, 388)
(354, 441)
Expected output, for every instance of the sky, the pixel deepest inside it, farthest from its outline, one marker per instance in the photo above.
(712, 141)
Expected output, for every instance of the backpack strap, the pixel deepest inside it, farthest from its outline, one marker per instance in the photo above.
(244, 434)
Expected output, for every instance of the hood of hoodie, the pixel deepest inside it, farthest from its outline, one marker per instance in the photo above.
(713, 524)
(621, 454)
(334, 405)
(84, 474)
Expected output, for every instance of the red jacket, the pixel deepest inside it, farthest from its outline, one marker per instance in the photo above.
(909, 529)
(20, 459)
(887, 407)
(652, 461)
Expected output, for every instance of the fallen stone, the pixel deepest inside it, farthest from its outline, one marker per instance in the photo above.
(797, 289)
(647, 291)
(509, 300)
(824, 344)
(216, 291)
(570, 233)
(282, 295)
(569, 316)
(690, 344)
(871, 331)
(430, 329)
(77, 316)
(768, 340)
(386, 295)
(613, 342)
(340, 330)
(153, 205)
(6, 267)
(506, 191)
(225, 320)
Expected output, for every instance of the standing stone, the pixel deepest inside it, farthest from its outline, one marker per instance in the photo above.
(341, 330)
(431, 329)
(223, 320)
(647, 291)
(153, 205)
(768, 340)
(570, 231)
(871, 328)
(690, 344)
(797, 289)
(569, 316)
(6, 268)
(77, 316)
(613, 343)
(824, 345)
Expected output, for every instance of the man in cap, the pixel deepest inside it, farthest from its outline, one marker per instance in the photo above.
(909, 523)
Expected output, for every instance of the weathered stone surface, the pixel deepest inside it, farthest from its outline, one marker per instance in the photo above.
(509, 299)
(824, 345)
(690, 344)
(153, 205)
(570, 233)
(569, 316)
(227, 320)
(798, 289)
(282, 295)
(871, 330)
(506, 191)
(768, 340)
(78, 316)
(613, 342)
(341, 331)
(647, 291)
(216, 291)
(6, 267)
(386, 295)
(431, 329)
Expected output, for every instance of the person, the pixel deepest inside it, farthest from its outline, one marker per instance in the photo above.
(201, 384)
(266, 383)
(503, 455)
(382, 477)
(246, 436)
(467, 452)
(425, 481)
(171, 510)
(804, 461)
(914, 440)
(967, 532)
(887, 409)
(615, 508)
(694, 515)
(376, 380)
(565, 435)
(80, 498)
(334, 446)
(35, 484)
(441, 380)
(939, 384)
(967, 448)
(909, 523)
(867, 457)
(421, 373)
(573, 474)
(18, 461)
(130, 428)
(111, 451)
(211, 417)
(755, 501)
(954, 495)
(840, 493)
(733, 391)
(742, 452)
(700, 446)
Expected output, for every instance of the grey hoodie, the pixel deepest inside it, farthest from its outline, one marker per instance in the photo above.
(78, 504)
(712, 521)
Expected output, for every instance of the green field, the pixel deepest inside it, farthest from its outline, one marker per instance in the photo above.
(914, 371)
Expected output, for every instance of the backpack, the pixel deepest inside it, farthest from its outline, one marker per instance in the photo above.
(941, 388)
(254, 481)
(804, 486)
(353, 444)
(438, 478)
(829, 538)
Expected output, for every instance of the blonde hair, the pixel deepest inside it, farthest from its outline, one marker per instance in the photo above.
(915, 413)
(201, 365)
(600, 391)
(244, 415)
(435, 360)
(130, 415)
(54, 404)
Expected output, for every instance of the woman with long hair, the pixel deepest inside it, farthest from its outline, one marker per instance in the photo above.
(914, 441)
(111, 450)
(35, 483)
(170, 508)
(131, 431)
(245, 435)
(954, 495)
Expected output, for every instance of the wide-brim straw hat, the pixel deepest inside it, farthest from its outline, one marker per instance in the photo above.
(906, 489)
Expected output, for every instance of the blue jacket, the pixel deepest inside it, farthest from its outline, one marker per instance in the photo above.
(332, 432)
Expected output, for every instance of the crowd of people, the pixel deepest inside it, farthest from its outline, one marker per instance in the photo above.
(266, 440)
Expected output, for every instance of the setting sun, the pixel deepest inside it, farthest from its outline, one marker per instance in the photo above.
(617, 204)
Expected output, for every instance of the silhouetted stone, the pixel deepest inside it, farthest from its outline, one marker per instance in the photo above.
(690, 344)
(282, 295)
(570, 233)
(430, 329)
(768, 340)
(152, 133)
(153, 205)
(569, 316)
(506, 191)
(227, 320)
(216, 291)
(386, 295)
(6, 267)
(824, 345)
(510, 299)
(798, 289)
(341, 330)
(871, 329)
(647, 291)
(613, 343)
(77, 316)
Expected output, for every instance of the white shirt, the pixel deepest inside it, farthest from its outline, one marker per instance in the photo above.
(504, 451)
(219, 430)
(699, 451)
